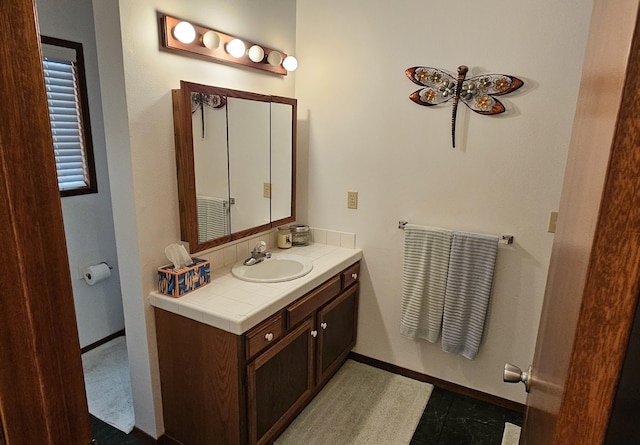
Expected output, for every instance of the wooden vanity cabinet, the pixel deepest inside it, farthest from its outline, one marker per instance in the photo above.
(226, 389)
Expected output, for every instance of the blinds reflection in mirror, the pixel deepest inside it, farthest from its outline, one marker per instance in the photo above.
(213, 217)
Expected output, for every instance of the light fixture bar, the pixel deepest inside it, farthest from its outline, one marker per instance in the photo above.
(169, 41)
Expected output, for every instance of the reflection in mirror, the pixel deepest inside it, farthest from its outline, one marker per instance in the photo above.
(209, 127)
(235, 156)
(281, 160)
(248, 143)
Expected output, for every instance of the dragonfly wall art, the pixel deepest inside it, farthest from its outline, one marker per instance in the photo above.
(477, 92)
(201, 100)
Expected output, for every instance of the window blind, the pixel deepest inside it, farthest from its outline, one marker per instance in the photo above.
(61, 81)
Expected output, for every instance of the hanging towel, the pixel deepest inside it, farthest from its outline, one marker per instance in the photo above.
(424, 278)
(471, 265)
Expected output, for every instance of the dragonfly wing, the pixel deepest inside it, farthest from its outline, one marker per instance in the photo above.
(484, 104)
(429, 97)
(427, 76)
(478, 92)
(496, 84)
(439, 86)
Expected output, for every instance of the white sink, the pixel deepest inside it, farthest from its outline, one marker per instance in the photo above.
(280, 267)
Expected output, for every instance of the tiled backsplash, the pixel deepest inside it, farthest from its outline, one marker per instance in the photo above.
(230, 253)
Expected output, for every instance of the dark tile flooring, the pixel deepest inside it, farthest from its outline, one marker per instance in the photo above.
(448, 419)
(105, 434)
(453, 419)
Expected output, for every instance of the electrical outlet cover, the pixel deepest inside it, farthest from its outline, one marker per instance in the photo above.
(352, 200)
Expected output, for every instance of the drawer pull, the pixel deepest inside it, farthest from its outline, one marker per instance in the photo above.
(268, 336)
(354, 276)
(323, 325)
(314, 333)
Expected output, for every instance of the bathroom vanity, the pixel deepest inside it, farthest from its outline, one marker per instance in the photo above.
(246, 382)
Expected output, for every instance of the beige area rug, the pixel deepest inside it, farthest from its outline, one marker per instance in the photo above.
(361, 405)
(108, 384)
(511, 435)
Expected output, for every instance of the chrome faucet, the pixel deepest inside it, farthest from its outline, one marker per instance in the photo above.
(258, 254)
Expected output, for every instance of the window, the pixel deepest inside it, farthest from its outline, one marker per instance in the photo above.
(69, 116)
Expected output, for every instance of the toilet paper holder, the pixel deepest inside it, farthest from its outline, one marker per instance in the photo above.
(96, 273)
(102, 262)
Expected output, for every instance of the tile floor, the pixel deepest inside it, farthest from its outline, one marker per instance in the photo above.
(105, 434)
(453, 419)
(449, 419)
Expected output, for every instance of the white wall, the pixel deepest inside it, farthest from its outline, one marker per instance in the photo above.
(136, 79)
(504, 176)
(88, 220)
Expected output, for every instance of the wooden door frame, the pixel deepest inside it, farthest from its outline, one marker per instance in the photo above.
(42, 397)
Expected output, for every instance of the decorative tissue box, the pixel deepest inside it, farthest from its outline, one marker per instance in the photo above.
(179, 282)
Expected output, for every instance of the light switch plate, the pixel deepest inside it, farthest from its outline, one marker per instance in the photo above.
(267, 190)
(352, 200)
(553, 220)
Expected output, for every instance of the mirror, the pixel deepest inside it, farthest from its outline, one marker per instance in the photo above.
(235, 156)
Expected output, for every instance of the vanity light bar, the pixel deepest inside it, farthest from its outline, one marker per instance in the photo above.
(206, 44)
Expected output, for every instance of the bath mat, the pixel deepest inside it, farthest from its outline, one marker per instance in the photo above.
(511, 435)
(361, 405)
(108, 384)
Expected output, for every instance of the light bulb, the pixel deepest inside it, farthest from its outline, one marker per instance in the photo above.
(235, 48)
(256, 54)
(211, 39)
(184, 32)
(290, 63)
(274, 58)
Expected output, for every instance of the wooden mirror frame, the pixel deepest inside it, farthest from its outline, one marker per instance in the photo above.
(185, 164)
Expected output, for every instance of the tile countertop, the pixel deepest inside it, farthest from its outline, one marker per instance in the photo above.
(236, 306)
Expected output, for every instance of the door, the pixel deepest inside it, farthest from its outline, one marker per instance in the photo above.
(280, 382)
(42, 399)
(337, 330)
(592, 288)
(623, 424)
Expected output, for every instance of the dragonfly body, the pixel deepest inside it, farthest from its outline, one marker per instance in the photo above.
(462, 73)
(478, 93)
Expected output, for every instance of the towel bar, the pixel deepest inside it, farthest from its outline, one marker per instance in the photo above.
(504, 239)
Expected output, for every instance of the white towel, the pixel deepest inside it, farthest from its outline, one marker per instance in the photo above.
(424, 278)
(471, 265)
(511, 434)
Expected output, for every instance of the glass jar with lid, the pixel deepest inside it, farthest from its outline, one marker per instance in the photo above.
(301, 234)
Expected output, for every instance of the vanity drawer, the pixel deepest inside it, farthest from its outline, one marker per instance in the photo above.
(263, 335)
(350, 275)
(308, 304)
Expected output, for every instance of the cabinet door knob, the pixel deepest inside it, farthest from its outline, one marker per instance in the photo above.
(323, 325)
(268, 336)
(314, 333)
(354, 276)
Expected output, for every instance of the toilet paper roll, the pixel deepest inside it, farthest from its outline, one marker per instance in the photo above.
(97, 273)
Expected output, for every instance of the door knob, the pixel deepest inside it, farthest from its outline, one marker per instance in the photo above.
(513, 374)
(314, 333)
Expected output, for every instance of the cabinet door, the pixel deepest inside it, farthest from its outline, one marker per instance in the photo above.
(337, 325)
(280, 382)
